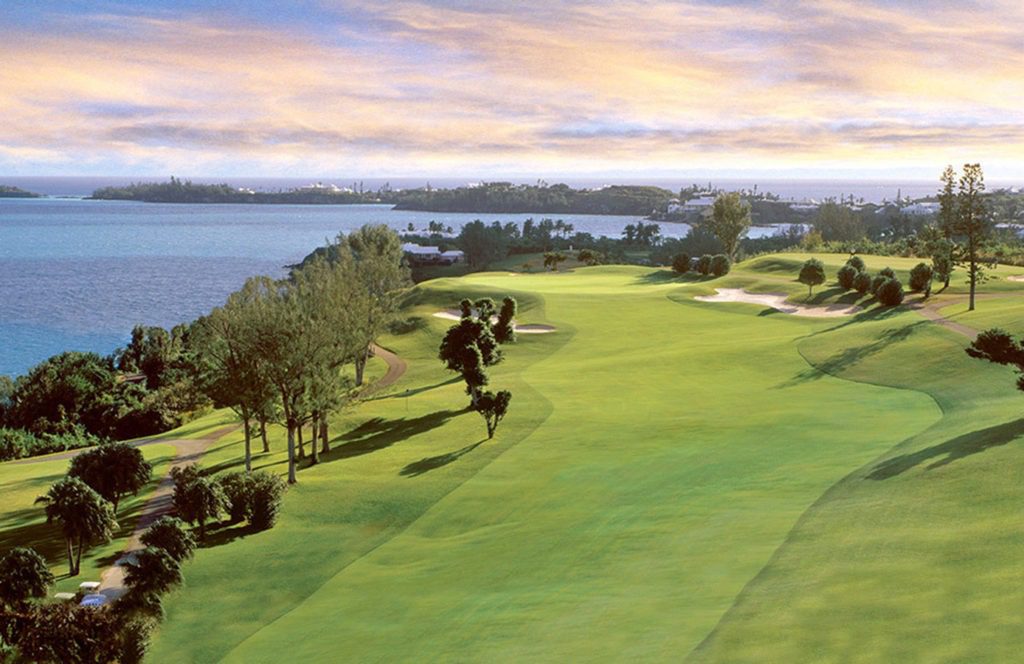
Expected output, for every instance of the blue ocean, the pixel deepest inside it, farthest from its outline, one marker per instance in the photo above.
(78, 274)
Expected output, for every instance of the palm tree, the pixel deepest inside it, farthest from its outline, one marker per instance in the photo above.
(83, 514)
(25, 576)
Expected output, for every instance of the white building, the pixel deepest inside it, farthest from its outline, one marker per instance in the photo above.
(921, 209)
(701, 203)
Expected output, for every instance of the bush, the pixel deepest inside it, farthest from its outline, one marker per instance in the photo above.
(890, 293)
(856, 262)
(238, 489)
(720, 265)
(171, 535)
(862, 282)
(18, 443)
(846, 275)
(704, 264)
(920, 277)
(887, 272)
(265, 499)
(877, 282)
(681, 263)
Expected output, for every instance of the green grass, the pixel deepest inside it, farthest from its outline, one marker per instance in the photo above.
(675, 479)
(23, 523)
(658, 453)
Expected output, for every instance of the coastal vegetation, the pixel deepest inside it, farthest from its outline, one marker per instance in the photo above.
(9, 191)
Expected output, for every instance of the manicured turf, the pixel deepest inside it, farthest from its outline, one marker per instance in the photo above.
(24, 524)
(658, 452)
(675, 479)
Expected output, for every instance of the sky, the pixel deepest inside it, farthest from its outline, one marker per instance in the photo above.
(843, 88)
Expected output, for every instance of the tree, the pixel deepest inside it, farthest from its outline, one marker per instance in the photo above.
(589, 257)
(856, 262)
(25, 576)
(467, 348)
(66, 390)
(197, 499)
(493, 408)
(704, 265)
(84, 517)
(890, 292)
(169, 534)
(113, 470)
(812, 274)
(62, 633)
(482, 244)
(973, 224)
(379, 277)
(153, 572)
(862, 282)
(944, 250)
(231, 368)
(552, 259)
(504, 328)
(846, 275)
(920, 277)
(838, 222)
(730, 219)
(681, 263)
(720, 265)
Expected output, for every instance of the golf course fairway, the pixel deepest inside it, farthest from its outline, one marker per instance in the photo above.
(675, 479)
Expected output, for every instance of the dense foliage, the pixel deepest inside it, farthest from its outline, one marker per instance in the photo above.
(178, 191)
(505, 197)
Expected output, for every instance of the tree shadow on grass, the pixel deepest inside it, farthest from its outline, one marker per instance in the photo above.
(840, 295)
(667, 276)
(418, 390)
(954, 449)
(849, 357)
(427, 464)
(225, 533)
(380, 433)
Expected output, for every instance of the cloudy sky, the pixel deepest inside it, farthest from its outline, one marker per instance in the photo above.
(545, 88)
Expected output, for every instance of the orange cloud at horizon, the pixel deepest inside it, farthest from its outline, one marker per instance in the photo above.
(575, 87)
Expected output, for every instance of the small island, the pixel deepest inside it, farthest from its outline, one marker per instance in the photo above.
(8, 191)
(179, 191)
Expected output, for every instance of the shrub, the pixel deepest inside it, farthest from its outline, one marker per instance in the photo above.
(238, 490)
(920, 277)
(25, 576)
(171, 535)
(887, 272)
(890, 293)
(265, 499)
(856, 262)
(681, 263)
(846, 275)
(720, 265)
(877, 282)
(704, 264)
(862, 282)
(812, 274)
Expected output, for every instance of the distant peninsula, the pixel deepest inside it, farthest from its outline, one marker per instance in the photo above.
(7, 191)
(487, 197)
(179, 191)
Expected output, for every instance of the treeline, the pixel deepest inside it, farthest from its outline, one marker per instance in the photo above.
(78, 399)
(505, 197)
(9, 191)
(178, 191)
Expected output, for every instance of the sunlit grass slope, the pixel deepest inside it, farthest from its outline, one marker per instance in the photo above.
(657, 453)
(916, 555)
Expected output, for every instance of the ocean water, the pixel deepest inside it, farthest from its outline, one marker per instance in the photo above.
(77, 275)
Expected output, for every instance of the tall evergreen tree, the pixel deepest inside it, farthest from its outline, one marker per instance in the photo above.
(972, 224)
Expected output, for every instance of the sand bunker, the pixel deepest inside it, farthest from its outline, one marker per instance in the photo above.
(778, 301)
(1015, 277)
(532, 328)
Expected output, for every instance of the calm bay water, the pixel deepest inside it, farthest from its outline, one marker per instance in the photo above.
(77, 275)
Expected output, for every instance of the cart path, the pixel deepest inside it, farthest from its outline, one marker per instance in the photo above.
(187, 452)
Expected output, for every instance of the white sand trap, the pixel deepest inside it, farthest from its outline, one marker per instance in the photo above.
(778, 301)
(1015, 277)
(532, 328)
